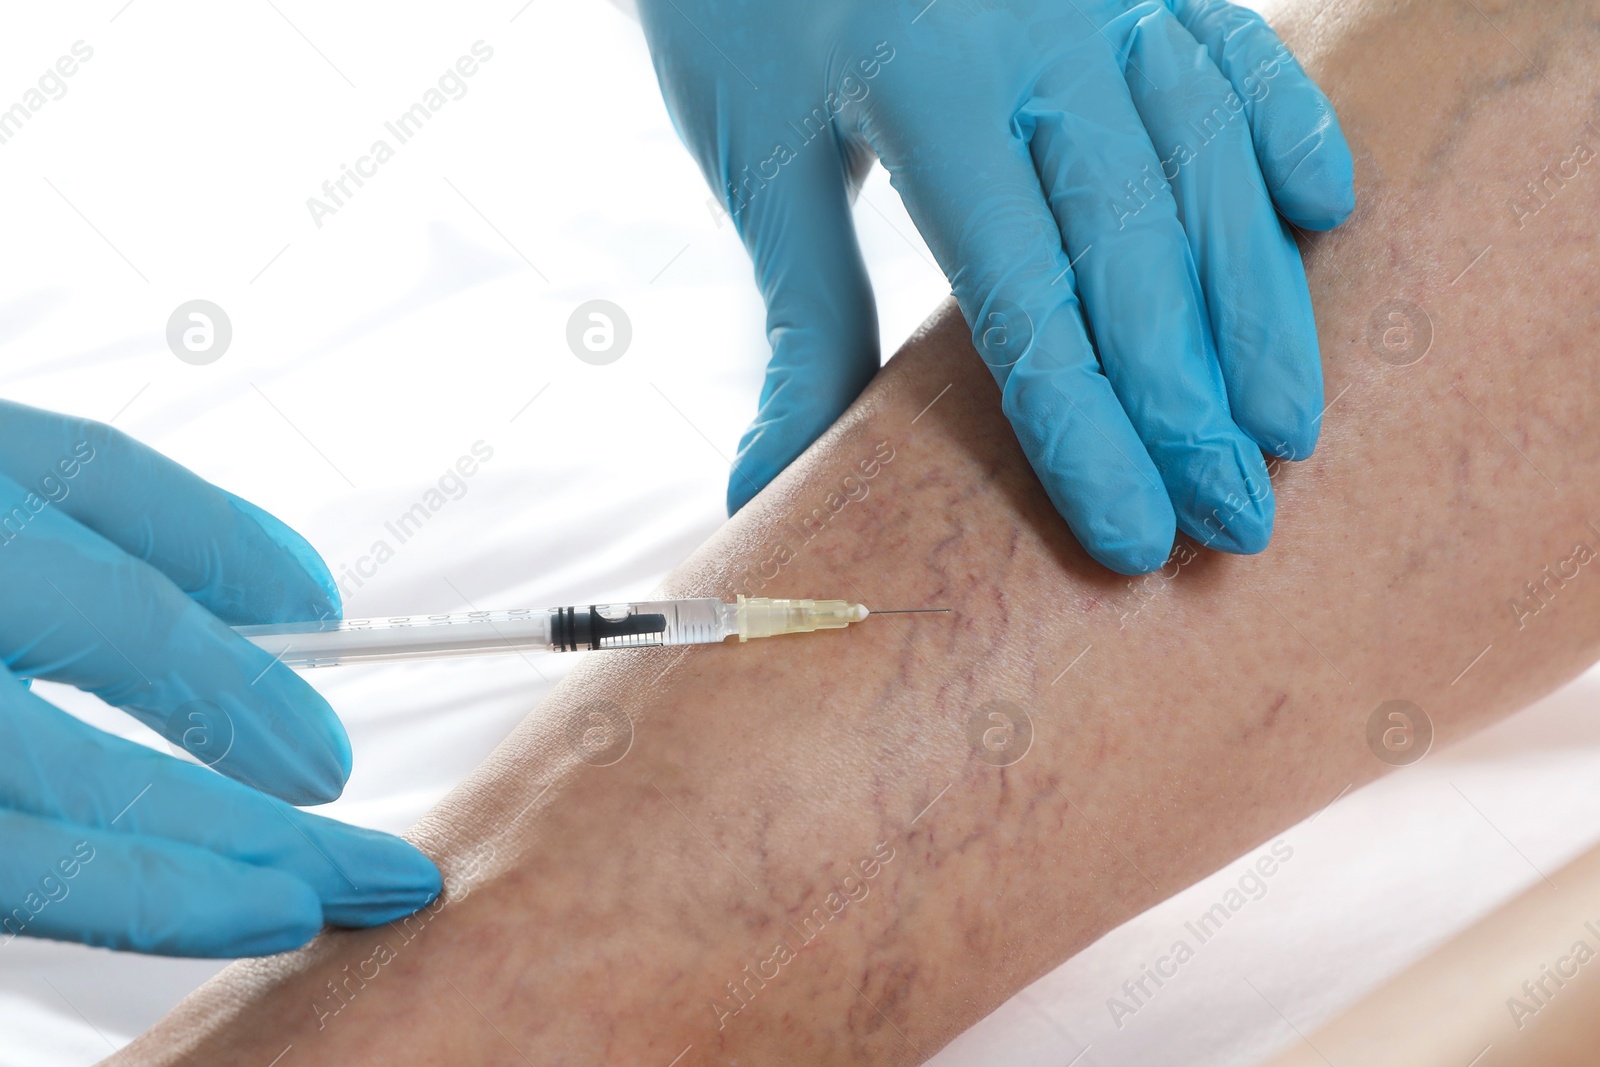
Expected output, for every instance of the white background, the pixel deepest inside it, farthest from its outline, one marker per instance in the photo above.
(429, 313)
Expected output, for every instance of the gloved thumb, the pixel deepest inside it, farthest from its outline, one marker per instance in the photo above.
(821, 320)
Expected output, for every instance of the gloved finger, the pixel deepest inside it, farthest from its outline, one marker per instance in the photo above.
(1249, 267)
(75, 883)
(1303, 154)
(977, 200)
(1143, 301)
(83, 612)
(821, 320)
(65, 770)
(1079, 442)
(241, 563)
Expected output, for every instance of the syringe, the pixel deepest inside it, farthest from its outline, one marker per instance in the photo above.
(696, 621)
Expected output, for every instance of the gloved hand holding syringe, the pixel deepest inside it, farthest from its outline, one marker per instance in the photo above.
(641, 624)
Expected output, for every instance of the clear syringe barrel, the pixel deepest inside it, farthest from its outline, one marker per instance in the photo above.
(641, 624)
(566, 629)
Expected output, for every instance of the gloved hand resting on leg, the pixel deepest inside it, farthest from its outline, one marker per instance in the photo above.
(1108, 186)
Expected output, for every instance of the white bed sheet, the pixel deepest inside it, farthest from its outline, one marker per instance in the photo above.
(428, 314)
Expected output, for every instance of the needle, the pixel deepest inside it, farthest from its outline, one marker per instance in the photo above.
(903, 611)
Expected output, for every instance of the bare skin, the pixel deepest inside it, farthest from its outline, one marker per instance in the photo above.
(830, 795)
(1516, 988)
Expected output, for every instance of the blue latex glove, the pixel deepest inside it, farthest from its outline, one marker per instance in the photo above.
(120, 573)
(1097, 178)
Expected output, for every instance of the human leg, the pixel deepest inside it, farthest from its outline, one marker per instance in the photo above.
(601, 913)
